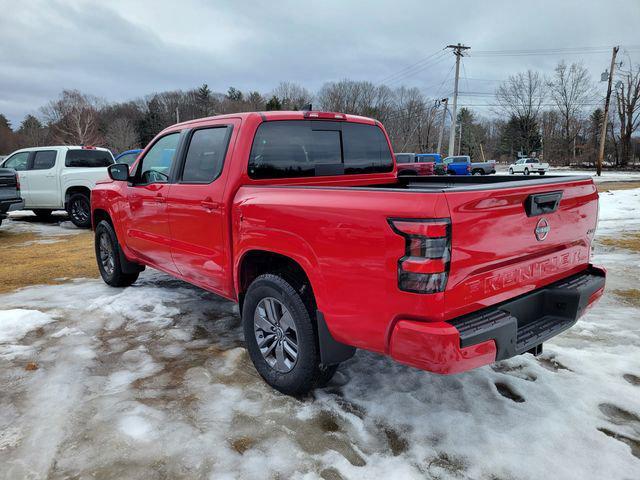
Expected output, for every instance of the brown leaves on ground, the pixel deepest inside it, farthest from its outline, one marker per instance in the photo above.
(628, 241)
(25, 263)
(31, 366)
(631, 296)
(610, 186)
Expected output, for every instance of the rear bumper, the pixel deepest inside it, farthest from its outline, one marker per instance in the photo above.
(501, 331)
(11, 205)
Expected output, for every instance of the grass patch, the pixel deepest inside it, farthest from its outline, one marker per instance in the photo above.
(631, 296)
(610, 186)
(628, 241)
(26, 263)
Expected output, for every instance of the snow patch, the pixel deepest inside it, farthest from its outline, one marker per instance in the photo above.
(16, 323)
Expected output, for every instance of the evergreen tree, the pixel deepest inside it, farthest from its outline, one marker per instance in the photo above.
(234, 94)
(203, 99)
(274, 104)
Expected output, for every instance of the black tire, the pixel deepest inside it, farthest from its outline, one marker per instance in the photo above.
(526, 171)
(478, 172)
(450, 172)
(43, 214)
(511, 171)
(111, 272)
(407, 172)
(79, 210)
(306, 373)
(541, 173)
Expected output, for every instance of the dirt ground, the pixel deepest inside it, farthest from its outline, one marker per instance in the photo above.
(56, 259)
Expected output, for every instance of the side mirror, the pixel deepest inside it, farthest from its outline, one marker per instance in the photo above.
(119, 172)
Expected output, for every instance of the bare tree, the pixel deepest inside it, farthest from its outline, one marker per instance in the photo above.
(522, 95)
(292, 96)
(121, 135)
(627, 97)
(73, 118)
(571, 90)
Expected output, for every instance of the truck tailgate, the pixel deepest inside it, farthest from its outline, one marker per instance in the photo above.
(8, 184)
(507, 242)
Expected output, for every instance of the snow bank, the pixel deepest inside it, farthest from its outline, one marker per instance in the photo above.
(16, 323)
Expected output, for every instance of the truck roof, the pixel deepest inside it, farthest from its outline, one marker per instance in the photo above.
(284, 115)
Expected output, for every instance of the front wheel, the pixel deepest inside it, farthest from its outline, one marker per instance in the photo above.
(108, 257)
(78, 209)
(281, 338)
(511, 171)
(477, 172)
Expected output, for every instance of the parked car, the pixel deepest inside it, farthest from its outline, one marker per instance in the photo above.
(128, 157)
(300, 217)
(9, 192)
(416, 164)
(462, 165)
(54, 178)
(457, 165)
(528, 166)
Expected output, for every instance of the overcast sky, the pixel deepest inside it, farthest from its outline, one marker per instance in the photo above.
(123, 49)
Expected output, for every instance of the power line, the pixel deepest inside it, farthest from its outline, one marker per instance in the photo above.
(404, 70)
(419, 69)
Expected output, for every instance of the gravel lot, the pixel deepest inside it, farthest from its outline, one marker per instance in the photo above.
(152, 382)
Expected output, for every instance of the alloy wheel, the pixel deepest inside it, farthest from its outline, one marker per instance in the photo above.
(276, 334)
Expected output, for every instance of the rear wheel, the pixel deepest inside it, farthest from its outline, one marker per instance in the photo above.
(281, 337)
(108, 257)
(78, 209)
(450, 172)
(511, 171)
(43, 214)
(478, 172)
(541, 173)
(526, 171)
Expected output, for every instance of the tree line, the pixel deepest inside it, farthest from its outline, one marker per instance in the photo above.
(531, 114)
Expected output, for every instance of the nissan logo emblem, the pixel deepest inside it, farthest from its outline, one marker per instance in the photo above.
(542, 229)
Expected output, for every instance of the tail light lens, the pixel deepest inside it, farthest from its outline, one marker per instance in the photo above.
(17, 182)
(468, 167)
(424, 268)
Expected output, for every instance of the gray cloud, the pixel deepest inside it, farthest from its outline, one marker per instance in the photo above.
(120, 50)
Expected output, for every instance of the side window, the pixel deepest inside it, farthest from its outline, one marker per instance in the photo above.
(205, 155)
(365, 149)
(18, 161)
(129, 158)
(44, 160)
(156, 164)
(532, 160)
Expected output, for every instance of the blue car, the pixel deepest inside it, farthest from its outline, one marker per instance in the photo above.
(458, 165)
(128, 157)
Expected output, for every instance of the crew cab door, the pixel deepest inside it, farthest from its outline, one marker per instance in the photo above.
(43, 179)
(147, 229)
(197, 217)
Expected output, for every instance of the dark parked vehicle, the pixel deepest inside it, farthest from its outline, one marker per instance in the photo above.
(9, 192)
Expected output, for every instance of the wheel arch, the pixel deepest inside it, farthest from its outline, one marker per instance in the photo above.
(256, 262)
(76, 189)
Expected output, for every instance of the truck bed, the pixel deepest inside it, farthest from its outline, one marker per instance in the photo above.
(468, 183)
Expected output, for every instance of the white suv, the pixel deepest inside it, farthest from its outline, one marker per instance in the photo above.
(527, 166)
(54, 178)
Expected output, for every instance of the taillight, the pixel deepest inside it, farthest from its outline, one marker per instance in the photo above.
(424, 268)
(468, 167)
(18, 183)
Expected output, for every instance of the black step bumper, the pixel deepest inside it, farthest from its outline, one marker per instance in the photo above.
(522, 324)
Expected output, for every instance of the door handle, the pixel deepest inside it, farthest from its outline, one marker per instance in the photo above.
(160, 198)
(209, 204)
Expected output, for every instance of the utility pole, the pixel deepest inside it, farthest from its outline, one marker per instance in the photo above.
(603, 134)
(460, 138)
(444, 119)
(177, 115)
(458, 52)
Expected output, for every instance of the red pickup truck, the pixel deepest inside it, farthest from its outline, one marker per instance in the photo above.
(301, 219)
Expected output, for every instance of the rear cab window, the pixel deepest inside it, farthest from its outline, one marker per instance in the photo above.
(310, 148)
(44, 160)
(404, 158)
(78, 158)
(205, 154)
